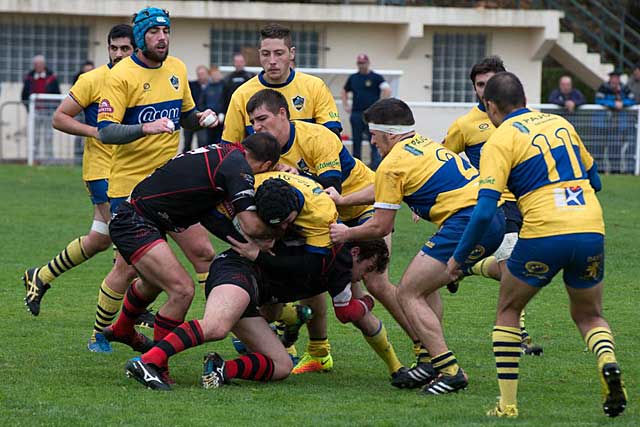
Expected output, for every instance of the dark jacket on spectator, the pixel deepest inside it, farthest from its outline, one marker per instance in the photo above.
(48, 84)
(607, 96)
(209, 97)
(232, 82)
(560, 98)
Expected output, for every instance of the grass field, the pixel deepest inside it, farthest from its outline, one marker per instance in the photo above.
(47, 377)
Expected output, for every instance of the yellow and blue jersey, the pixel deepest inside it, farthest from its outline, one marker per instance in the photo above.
(543, 161)
(468, 134)
(308, 96)
(133, 94)
(316, 213)
(96, 158)
(315, 149)
(431, 179)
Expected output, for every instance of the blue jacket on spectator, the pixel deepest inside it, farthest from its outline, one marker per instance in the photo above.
(560, 98)
(209, 97)
(607, 95)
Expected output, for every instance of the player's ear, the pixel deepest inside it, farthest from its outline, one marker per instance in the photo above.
(355, 251)
(292, 53)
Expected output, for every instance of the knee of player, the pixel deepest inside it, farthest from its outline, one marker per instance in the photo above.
(406, 293)
(378, 285)
(97, 241)
(214, 332)
(204, 252)
(182, 289)
(282, 366)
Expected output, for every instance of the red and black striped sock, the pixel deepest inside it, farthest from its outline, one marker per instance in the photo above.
(134, 305)
(253, 366)
(163, 326)
(187, 335)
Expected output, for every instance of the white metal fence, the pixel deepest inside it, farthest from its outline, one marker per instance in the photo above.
(612, 137)
(45, 145)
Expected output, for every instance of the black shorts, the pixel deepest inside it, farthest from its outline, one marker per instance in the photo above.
(133, 234)
(283, 287)
(513, 216)
(229, 268)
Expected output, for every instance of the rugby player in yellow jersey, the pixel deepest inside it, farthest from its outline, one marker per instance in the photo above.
(143, 102)
(545, 164)
(84, 95)
(441, 187)
(308, 96)
(468, 134)
(309, 100)
(315, 151)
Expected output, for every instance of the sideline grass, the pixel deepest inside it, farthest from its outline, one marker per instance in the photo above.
(48, 377)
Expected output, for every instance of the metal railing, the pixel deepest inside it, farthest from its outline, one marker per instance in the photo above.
(13, 117)
(612, 137)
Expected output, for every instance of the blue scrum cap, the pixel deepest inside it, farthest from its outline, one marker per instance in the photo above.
(145, 19)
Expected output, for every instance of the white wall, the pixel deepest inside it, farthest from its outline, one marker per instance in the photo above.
(347, 30)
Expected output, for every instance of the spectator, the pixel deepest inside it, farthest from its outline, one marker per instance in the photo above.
(566, 96)
(233, 81)
(634, 82)
(199, 93)
(86, 67)
(41, 80)
(214, 101)
(366, 87)
(614, 94)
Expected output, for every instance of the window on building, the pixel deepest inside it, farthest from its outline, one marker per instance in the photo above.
(65, 47)
(453, 57)
(224, 42)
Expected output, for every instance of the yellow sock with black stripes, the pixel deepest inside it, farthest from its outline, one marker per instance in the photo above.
(319, 347)
(507, 351)
(109, 303)
(445, 363)
(71, 256)
(523, 331)
(600, 342)
(481, 268)
(421, 353)
(202, 279)
(380, 343)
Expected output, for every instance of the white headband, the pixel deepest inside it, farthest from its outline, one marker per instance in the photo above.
(392, 129)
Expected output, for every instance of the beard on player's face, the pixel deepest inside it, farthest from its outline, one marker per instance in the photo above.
(155, 56)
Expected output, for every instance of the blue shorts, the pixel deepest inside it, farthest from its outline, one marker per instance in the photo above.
(366, 216)
(580, 255)
(115, 202)
(98, 191)
(443, 243)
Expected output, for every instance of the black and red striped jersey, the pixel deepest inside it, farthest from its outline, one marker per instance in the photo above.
(189, 186)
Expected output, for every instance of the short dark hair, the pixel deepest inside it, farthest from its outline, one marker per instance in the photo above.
(88, 62)
(271, 99)
(275, 200)
(263, 147)
(389, 111)
(490, 64)
(374, 248)
(119, 31)
(276, 31)
(506, 91)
